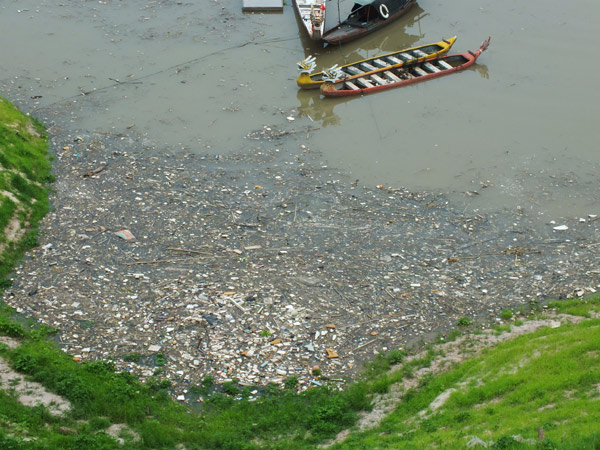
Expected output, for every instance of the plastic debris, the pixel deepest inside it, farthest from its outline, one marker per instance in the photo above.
(263, 276)
(125, 234)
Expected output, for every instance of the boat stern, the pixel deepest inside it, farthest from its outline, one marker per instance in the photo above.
(447, 44)
(312, 14)
(317, 20)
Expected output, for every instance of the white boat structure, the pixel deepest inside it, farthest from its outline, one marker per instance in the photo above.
(312, 13)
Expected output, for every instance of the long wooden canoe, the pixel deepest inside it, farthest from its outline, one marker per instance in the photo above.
(366, 17)
(384, 79)
(312, 14)
(308, 80)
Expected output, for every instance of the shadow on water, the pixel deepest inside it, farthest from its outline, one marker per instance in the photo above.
(483, 71)
(313, 107)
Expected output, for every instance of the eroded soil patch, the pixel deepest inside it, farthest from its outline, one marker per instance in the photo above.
(30, 393)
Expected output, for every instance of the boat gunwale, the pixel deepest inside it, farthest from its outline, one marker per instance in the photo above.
(445, 45)
(329, 91)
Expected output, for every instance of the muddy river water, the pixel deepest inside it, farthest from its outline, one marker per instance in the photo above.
(518, 130)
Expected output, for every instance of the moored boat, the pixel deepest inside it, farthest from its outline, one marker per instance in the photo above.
(309, 80)
(366, 16)
(312, 14)
(385, 78)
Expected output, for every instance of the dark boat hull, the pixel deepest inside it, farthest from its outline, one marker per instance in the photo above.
(351, 29)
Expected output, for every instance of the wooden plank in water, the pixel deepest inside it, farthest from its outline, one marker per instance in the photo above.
(378, 79)
(444, 64)
(391, 76)
(380, 63)
(431, 67)
(262, 5)
(353, 70)
(364, 82)
(395, 60)
(367, 66)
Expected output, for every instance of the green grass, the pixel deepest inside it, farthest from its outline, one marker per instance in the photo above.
(464, 322)
(506, 314)
(577, 307)
(549, 379)
(26, 174)
(280, 418)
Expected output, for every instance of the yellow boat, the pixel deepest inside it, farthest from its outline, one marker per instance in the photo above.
(309, 80)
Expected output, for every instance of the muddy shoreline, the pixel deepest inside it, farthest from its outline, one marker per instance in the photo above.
(261, 264)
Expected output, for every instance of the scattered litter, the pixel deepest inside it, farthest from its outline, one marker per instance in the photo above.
(125, 234)
(475, 441)
(95, 171)
(260, 265)
(331, 353)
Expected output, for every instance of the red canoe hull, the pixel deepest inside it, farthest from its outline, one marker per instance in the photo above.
(338, 89)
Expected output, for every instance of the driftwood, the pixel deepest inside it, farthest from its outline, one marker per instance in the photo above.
(366, 343)
(94, 171)
(185, 250)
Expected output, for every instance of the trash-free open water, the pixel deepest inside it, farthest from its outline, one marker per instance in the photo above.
(519, 130)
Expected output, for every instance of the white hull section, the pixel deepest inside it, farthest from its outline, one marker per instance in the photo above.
(312, 13)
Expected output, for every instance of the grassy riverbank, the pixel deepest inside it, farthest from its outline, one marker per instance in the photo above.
(538, 390)
(23, 184)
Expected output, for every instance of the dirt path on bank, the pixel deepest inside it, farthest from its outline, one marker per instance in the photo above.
(29, 393)
(448, 355)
